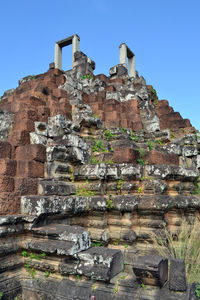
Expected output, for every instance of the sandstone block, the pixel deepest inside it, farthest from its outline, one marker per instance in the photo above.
(161, 158)
(33, 169)
(6, 184)
(60, 188)
(33, 152)
(125, 155)
(5, 150)
(26, 186)
(8, 167)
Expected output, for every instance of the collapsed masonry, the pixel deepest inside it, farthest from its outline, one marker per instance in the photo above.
(90, 166)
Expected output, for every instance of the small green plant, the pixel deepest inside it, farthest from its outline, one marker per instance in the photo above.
(150, 145)
(96, 244)
(197, 290)
(32, 77)
(29, 269)
(196, 187)
(122, 277)
(116, 243)
(109, 135)
(24, 253)
(98, 147)
(143, 285)
(116, 290)
(1, 295)
(126, 246)
(142, 152)
(172, 134)
(109, 202)
(123, 130)
(94, 160)
(47, 274)
(87, 76)
(141, 161)
(93, 287)
(140, 190)
(119, 184)
(159, 142)
(79, 277)
(84, 192)
(134, 137)
(154, 96)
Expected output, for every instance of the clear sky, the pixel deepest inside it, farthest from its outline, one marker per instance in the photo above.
(163, 34)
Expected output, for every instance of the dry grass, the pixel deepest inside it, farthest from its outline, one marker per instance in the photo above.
(185, 244)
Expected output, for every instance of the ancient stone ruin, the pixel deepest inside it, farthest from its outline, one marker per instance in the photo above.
(91, 166)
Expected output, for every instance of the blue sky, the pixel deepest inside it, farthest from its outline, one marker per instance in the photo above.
(163, 34)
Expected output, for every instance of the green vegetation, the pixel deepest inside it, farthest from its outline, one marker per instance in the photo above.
(33, 255)
(1, 295)
(140, 161)
(143, 285)
(140, 190)
(150, 145)
(196, 187)
(172, 134)
(125, 246)
(29, 269)
(94, 160)
(197, 290)
(93, 287)
(154, 96)
(142, 152)
(96, 244)
(47, 274)
(109, 135)
(109, 202)
(134, 137)
(98, 147)
(84, 192)
(119, 184)
(79, 277)
(185, 244)
(123, 130)
(116, 290)
(87, 76)
(159, 142)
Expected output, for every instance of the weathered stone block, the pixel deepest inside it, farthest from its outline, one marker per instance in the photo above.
(51, 187)
(125, 155)
(152, 270)
(31, 152)
(33, 169)
(6, 184)
(177, 275)
(8, 167)
(5, 150)
(100, 263)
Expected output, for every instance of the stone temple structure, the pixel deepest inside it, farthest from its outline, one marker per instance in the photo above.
(90, 167)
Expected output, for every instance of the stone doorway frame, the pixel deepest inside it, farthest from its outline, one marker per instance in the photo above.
(71, 40)
(124, 53)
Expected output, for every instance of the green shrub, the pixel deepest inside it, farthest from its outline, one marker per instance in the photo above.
(98, 147)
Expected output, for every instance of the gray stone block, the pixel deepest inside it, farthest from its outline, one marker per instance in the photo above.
(152, 270)
(177, 276)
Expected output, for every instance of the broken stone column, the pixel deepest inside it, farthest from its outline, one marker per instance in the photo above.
(123, 54)
(75, 45)
(58, 56)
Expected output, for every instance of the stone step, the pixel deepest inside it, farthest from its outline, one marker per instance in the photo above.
(53, 187)
(59, 239)
(98, 263)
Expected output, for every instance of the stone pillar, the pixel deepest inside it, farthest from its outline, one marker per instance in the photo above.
(75, 45)
(58, 57)
(131, 66)
(123, 54)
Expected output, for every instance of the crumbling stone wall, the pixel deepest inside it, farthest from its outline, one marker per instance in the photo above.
(92, 161)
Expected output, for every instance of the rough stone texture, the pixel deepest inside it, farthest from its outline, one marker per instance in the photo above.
(97, 158)
(177, 276)
(151, 270)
